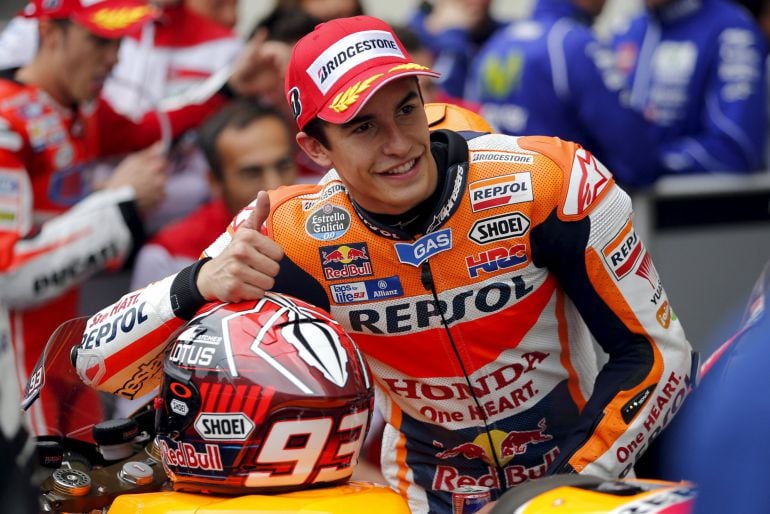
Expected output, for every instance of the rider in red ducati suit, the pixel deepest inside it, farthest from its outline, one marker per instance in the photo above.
(53, 234)
(471, 269)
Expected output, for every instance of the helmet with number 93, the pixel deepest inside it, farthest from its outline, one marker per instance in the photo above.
(262, 396)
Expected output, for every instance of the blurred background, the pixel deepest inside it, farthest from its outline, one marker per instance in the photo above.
(394, 11)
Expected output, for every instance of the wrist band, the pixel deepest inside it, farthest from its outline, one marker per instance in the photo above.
(186, 299)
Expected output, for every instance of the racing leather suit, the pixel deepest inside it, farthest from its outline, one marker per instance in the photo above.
(169, 57)
(477, 328)
(172, 57)
(696, 69)
(53, 234)
(549, 75)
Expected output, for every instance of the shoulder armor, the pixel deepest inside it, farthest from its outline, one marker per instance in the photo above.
(585, 179)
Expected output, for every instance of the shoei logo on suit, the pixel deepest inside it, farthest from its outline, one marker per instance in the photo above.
(349, 52)
(427, 246)
(505, 226)
(328, 223)
(500, 191)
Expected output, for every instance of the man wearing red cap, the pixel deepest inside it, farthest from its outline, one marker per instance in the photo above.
(472, 269)
(53, 233)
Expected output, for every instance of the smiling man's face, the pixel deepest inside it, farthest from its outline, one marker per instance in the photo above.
(383, 154)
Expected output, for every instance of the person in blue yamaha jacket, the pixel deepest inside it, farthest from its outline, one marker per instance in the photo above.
(548, 74)
(696, 69)
(454, 31)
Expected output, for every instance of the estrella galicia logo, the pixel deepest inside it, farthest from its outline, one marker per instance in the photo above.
(328, 223)
(427, 246)
(295, 102)
(373, 289)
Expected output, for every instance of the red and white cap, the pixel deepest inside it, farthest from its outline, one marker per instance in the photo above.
(336, 68)
(105, 18)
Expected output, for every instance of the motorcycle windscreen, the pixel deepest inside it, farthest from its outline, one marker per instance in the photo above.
(68, 407)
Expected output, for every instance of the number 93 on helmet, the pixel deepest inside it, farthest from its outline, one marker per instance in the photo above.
(262, 396)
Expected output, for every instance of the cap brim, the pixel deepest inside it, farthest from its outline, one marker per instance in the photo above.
(117, 19)
(346, 101)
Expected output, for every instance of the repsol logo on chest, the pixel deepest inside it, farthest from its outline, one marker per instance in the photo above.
(106, 332)
(427, 246)
(407, 316)
(500, 191)
(73, 270)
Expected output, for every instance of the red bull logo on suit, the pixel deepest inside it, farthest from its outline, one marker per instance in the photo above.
(345, 261)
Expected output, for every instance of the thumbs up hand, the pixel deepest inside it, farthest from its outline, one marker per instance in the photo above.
(247, 266)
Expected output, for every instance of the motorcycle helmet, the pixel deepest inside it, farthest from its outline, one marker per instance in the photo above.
(454, 117)
(262, 396)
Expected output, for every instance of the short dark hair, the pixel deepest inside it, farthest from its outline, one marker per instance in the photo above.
(315, 129)
(237, 114)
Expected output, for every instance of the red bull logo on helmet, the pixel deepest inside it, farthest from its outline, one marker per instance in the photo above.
(187, 456)
(345, 261)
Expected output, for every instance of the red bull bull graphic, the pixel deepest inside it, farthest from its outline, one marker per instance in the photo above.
(517, 442)
(470, 451)
(506, 445)
(345, 261)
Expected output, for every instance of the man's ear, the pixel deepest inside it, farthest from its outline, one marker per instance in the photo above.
(314, 149)
(215, 186)
(48, 32)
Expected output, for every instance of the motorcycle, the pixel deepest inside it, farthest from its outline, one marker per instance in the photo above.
(95, 462)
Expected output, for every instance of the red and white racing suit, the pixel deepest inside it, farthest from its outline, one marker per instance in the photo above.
(169, 58)
(478, 329)
(53, 234)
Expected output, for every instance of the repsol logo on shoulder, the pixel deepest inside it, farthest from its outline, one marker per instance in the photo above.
(427, 246)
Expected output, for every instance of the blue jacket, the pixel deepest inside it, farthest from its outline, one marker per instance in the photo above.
(549, 75)
(454, 50)
(696, 68)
